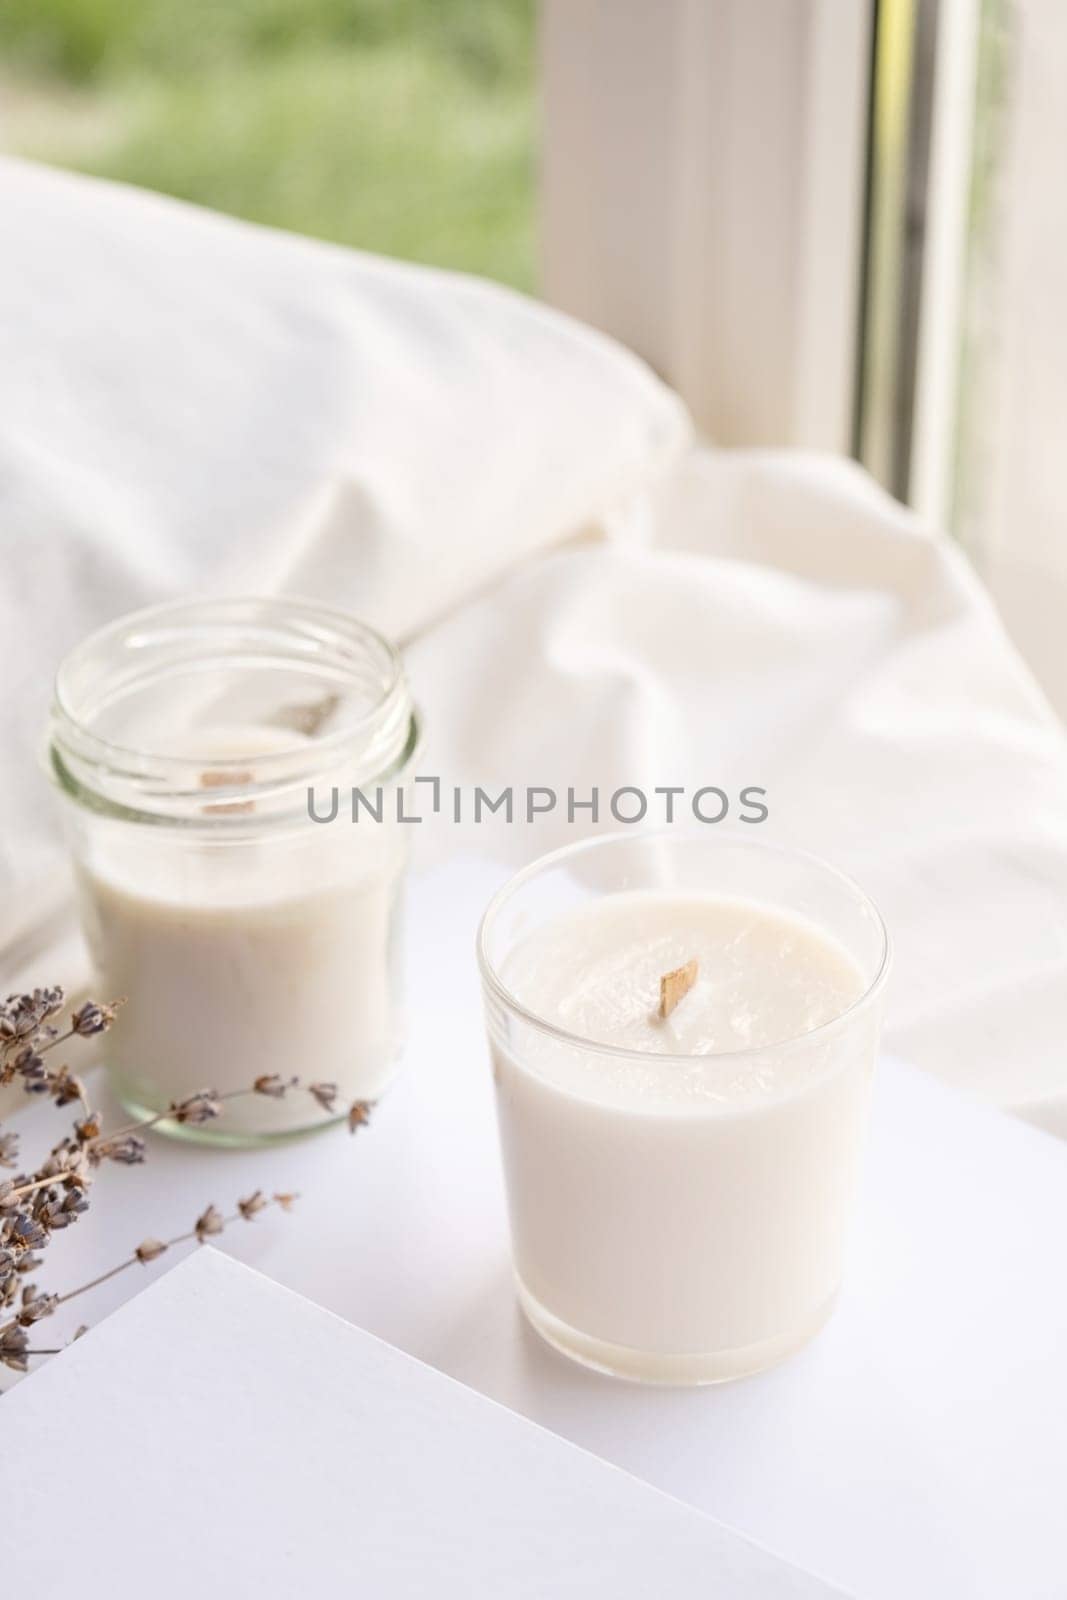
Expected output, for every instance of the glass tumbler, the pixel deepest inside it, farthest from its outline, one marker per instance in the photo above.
(683, 1031)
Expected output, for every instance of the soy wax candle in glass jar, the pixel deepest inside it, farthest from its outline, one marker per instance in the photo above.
(247, 938)
(683, 1032)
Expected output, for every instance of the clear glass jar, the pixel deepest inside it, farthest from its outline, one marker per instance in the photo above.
(679, 1210)
(194, 745)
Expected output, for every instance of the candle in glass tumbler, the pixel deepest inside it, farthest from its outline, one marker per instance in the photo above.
(680, 1185)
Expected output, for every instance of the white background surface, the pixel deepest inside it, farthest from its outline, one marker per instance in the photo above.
(331, 1465)
(918, 1447)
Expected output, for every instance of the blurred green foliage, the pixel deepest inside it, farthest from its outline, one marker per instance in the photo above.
(404, 126)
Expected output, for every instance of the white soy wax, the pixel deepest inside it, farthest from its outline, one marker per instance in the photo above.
(679, 1201)
(271, 958)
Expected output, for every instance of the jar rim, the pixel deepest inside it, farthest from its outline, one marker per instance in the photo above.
(504, 995)
(90, 765)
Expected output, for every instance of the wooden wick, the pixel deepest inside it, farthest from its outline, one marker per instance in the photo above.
(674, 986)
(227, 780)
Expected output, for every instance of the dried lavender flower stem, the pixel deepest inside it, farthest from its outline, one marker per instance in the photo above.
(94, 1283)
(45, 1044)
(35, 1204)
(51, 1180)
(239, 1215)
(246, 1210)
(258, 1088)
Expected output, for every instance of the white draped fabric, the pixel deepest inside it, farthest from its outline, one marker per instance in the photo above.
(189, 404)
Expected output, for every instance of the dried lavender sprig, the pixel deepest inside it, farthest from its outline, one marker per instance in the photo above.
(26, 1036)
(123, 1144)
(209, 1224)
(27, 1015)
(22, 1015)
(207, 1104)
(203, 1106)
(33, 1206)
(43, 1045)
(9, 1190)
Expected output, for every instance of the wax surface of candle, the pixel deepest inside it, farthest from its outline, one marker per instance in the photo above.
(764, 977)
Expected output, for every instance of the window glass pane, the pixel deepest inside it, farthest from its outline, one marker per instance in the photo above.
(403, 126)
(1010, 478)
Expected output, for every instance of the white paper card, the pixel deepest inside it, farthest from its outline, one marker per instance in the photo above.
(222, 1435)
